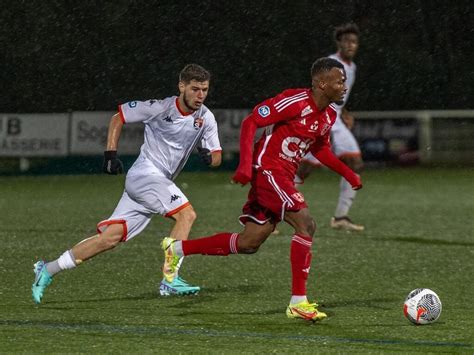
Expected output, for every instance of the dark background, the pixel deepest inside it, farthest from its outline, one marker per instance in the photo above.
(90, 55)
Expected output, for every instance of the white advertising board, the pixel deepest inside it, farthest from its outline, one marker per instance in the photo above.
(229, 122)
(34, 135)
(89, 134)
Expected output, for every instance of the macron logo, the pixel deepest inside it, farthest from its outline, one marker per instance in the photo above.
(306, 111)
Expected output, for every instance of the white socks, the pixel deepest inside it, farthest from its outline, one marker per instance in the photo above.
(298, 299)
(65, 261)
(346, 197)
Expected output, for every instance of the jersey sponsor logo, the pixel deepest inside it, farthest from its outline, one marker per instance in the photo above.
(293, 148)
(306, 111)
(132, 104)
(198, 123)
(298, 196)
(264, 111)
(174, 198)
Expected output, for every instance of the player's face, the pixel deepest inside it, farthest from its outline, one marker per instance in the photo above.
(348, 45)
(193, 94)
(335, 88)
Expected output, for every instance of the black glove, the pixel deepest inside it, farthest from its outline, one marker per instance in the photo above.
(205, 155)
(112, 165)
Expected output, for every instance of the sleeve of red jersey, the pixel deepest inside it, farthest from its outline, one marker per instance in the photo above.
(279, 108)
(324, 154)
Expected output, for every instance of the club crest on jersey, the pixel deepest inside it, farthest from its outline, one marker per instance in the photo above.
(314, 127)
(264, 111)
(306, 111)
(132, 104)
(198, 123)
(298, 196)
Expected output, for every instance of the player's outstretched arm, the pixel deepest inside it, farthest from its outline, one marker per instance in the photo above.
(112, 165)
(327, 157)
(243, 174)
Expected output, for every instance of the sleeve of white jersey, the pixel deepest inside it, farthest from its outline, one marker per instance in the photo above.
(139, 111)
(210, 138)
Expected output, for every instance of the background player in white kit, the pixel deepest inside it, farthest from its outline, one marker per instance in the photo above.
(173, 128)
(343, 142)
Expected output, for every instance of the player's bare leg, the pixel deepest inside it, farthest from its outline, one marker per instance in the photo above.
(84, 250)
(172, 284)
(253, 236)
(300, 257)
(347, 195)
(184, 220)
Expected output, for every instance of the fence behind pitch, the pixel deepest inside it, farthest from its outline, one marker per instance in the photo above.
(385, 137)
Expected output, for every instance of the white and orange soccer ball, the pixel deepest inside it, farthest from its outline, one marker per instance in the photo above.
(422, 306)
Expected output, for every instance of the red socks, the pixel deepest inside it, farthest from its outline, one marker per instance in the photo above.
(300, 257)
(218, 244)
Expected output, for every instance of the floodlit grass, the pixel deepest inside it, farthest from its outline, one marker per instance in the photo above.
(419, 234)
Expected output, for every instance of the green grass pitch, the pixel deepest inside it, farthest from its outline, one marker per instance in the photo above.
(419, 234)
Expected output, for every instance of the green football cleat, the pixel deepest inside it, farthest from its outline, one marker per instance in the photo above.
(42, 280)
(178, 287)
(305, 310)
(171, 259)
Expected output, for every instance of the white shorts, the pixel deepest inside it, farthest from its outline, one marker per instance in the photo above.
(343, 144)
(145, 195)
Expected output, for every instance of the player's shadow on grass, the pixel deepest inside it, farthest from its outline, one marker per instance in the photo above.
(427, 241)
(377, 303)
(206, 295)
(237, 289)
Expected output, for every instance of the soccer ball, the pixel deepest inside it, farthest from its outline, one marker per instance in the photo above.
(422, 306)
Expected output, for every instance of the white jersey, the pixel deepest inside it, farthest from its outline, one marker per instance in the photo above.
(350, 69)
(170, 134)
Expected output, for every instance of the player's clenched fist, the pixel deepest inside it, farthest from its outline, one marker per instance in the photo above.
(112, 165)
(205, 155)
(241, 178)
(355, 182)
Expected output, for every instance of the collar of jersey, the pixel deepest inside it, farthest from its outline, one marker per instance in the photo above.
(184, 114)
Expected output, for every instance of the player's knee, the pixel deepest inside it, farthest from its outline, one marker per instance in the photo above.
(249, 244)
(187, 215)
(109, 241)
(190, 216)
(249, 249)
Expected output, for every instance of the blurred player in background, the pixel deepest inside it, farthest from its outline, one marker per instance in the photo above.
(344, 145)
(173, 128)
(296, 121)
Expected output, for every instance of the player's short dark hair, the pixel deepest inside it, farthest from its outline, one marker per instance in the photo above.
(341, 30)
(194, 72)
(325, 64)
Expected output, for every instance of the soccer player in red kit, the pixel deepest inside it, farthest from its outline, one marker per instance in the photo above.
(297, 121)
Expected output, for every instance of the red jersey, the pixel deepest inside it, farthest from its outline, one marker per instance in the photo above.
(294, 126)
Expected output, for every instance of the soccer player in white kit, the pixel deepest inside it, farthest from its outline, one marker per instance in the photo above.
(343, 142)
(174, 126)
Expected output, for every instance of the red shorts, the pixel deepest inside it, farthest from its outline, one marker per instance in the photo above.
(269, 197)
